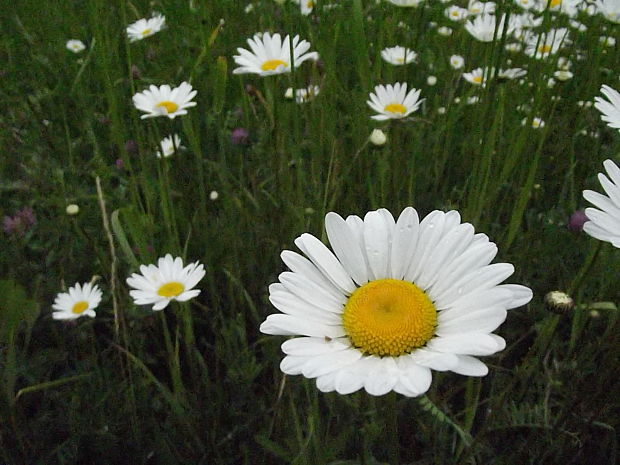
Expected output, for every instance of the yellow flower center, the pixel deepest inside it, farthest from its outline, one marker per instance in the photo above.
(171, 289)
(310, 4)
(170, 107)
(544, 48)
(555, 3)
(271, 65)
(389, 317)
(79, 307)
(399, 60)
(395, 108)
(147, 31)
(477, 79)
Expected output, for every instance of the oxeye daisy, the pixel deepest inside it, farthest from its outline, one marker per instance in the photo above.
(272, 55)
(457, 61)
(306, 6)
(393, 301)
(393, 101)
(406, 3)
(483, 27)
(475, 76)
(604, 221)
(80, 300)
(610, 109)
(610, 9)
(75, 45)
(546, 44)
(168, 146)
(398, 55)
(456, 13)
(144, 28)
(164, 101)
(168, 281)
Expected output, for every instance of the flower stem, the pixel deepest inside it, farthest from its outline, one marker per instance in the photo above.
(391, 424)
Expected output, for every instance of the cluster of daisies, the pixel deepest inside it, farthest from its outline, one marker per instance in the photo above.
(395, 297)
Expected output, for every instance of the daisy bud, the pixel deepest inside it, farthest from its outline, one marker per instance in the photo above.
(72, 209)
(377, 137)
(431, 80)
(289, 93)
(214, 195)
(577, 220)
(559, 302)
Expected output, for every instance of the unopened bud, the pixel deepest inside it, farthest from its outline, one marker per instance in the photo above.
(559, 302)
(377, 137)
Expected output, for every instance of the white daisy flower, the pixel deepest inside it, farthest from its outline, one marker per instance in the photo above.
(75, 45)
(475, 76)
(567, 7)
(546, 44)
(482, 28)
(406, 3)
(272, 55)
(393, 101)
(168, 146)
(444, 31)
(456, 13)
(610, 9)
(457, 61)
(144, 28)
(306, 6)
(477, 8)
(395, 300)
(604, 221)
(563, 75)
(398, 55)
(168, 281)
(164, 101)
(610, 109)
(526, 4)
(81, 300)
(511, 73)
(537, 123)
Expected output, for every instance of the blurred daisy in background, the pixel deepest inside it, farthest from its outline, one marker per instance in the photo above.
(604, 221)
(546, 44)
(164, 101)
(272, 55)
(75, 45)
(168, 281)
(80, 300)
(610, 109)
(482, 27)
(393, 301)
(144, 28)
(393, 101)
(398, 55)
(406, 3)
(456, 13)
(168, 146)
(609, 9)
(478, 8)
(457, 61)
(306, 6)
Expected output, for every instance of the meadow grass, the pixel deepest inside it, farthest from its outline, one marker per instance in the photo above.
(197, 382)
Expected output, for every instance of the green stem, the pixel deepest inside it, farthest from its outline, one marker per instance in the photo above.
(391, 426)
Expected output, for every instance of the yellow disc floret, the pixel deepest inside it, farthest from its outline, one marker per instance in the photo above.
(395, 108)
(171, 289)
(79, 307)
(170, 107)
(272, 65)
(389, 317)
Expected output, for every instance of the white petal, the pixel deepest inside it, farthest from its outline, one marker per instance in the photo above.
(404, 242)
(287, 325)
(466, 344)
(313, 346)
(346, 247)
(470, 366)
(377, 244)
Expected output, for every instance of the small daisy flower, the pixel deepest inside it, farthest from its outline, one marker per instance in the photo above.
(610, 9)
(511, 73)
(526, 4)
(406, 3)
(306, 6)
(398, 55)
(610, 109)
(396, 299)
(144, 28)
(537, 123)
(75, 45)
(457, 61)
(547, 44)
(478, 8)
(475, 76)
(393, 101)
(482, 28)
(164, 101)
(168, 146)
(81, 300)
(168, 281)
(604, 221)
(271, 55)
(444, 31)
(456, 13)
(563, 75)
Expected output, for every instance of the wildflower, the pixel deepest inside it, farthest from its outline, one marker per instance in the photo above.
(398, 55)
(72, 209)
(76, 46)
(406, 3)
(547, 44)
(559, 302)
(577, 220)
(377, 137)
(214, 195)
(168, 146)
(395, 300)
(168, 281)
(607, 41)
(478, 8)
(431, 80)
(604, 221)
(456, 13)
(81, 300)
(444, 31)
(526, 4)
(475, 76)
(239, 136)
(563, 75)
(537, 123)
(144, 28)
(306, 6)
(610, 9)
(164, 101)
(483, 27)
(393, 101)
(272, 55)
(611, 109)
(307, 94)
(457, 61)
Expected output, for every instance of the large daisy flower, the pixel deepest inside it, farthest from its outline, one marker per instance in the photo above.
(144, 28)
(164, 101)
(81, 300)
(393, 301)
(604, 221)
(393, 101)
(168, 281)
(272, 55)
(610, 110)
